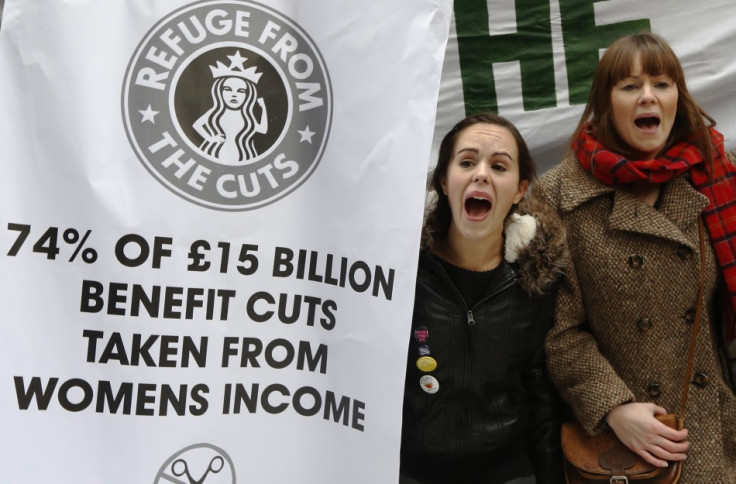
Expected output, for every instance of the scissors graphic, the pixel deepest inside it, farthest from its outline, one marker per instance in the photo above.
(180, 468)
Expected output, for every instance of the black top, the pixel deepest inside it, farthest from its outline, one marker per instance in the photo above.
(472, 285)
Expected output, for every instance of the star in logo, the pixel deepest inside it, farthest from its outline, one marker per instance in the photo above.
(148, 115)
(306, 135)
(237, 60)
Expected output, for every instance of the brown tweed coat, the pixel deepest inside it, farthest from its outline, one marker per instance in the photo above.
(624, 317)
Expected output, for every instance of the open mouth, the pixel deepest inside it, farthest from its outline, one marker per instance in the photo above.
(647, 123)
(477, 206)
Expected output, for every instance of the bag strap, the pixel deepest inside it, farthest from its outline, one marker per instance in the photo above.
(696, 323)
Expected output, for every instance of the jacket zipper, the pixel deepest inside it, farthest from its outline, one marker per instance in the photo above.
(471, 319)
(469, 311)
(465, 440)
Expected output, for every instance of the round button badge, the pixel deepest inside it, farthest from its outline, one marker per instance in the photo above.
(426, 363)
(429, 384)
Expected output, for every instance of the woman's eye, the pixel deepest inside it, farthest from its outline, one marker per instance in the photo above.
(498, 167)
(628, 87)
(466, 163)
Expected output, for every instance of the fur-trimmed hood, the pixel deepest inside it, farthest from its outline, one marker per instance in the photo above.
(536, 245)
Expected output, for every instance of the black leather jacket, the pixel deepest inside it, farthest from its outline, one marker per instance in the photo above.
(495, 415)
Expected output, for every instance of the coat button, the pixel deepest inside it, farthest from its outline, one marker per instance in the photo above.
(684, 252)
(636, 261)
(701, 380)
(654, 390)
(689, 316)
(644, 324)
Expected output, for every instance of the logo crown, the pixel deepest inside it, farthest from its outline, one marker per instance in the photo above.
(235, 69)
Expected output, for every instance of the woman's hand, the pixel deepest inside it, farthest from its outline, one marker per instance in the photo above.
(656, 443)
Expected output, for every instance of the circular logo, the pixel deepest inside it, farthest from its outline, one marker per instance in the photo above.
(197, 464)
(228, 104)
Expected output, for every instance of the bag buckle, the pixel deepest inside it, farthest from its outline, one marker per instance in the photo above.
(619, 480)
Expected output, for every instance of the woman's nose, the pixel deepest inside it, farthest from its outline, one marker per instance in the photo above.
(647, 94)
(481, 174)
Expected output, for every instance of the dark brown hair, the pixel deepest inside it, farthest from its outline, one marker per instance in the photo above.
(657, 58)
(439, 217)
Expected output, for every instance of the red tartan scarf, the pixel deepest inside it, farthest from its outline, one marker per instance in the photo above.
(720, 188)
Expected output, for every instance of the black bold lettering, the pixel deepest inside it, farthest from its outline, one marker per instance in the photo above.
(300, 408)
(91, 301)
(105, 395)
(67, 386)
(35, 392)
(341, 410)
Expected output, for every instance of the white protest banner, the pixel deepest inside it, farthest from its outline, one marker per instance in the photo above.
(209, 223)
(532, 60)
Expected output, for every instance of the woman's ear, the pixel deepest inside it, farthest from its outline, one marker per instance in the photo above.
(443, 184)
(523, 187)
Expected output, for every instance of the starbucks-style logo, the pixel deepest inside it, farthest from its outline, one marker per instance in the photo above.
(228, 104)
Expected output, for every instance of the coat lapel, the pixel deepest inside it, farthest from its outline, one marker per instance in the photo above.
(679, 209)
(576, 186)
(682, 203)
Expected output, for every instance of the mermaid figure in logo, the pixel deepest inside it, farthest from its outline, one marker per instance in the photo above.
(228, 127)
